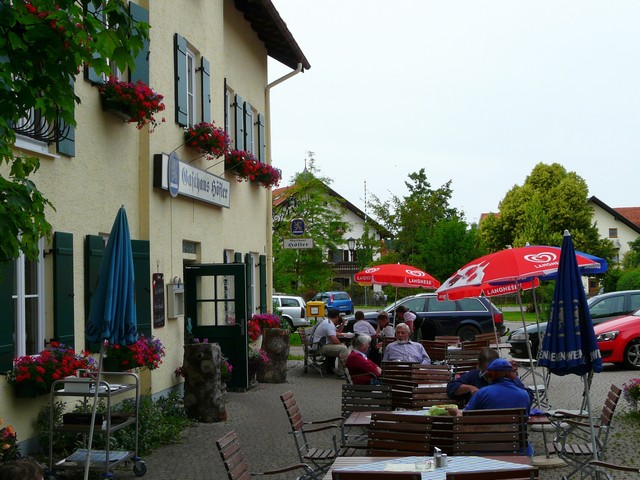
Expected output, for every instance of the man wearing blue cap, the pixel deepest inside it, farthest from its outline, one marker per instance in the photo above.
(502, 391)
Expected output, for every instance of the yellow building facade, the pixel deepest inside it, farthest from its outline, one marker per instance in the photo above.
(209, 60)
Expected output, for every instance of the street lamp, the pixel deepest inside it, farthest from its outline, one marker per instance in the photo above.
(351, 243)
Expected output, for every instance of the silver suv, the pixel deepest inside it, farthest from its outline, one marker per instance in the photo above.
(292, 309)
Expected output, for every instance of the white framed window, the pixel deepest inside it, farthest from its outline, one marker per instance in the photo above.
(191, 87)
(28, 302)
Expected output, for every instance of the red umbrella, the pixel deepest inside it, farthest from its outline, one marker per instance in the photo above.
(509, 269)
(396, 275)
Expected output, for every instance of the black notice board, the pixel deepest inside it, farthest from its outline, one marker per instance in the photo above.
(158, 300)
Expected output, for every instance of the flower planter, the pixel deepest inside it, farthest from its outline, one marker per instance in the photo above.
(112, 365)
(28, 390)
(114, 108)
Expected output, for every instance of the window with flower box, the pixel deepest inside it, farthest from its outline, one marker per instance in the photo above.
(244, 124)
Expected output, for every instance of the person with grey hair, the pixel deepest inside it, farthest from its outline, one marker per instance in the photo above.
(362, 370)
(404, 350)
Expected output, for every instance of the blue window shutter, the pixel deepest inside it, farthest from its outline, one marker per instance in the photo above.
(141, 72)
(7, 324)
(93, 253)
(262, 141)
(263, 284)
(63, 310)
(142, 273)
(67, 144)
(239, 133)
(180, 54)
(237, 257)
(206, 90)
(248, 128)
(89, 73)
(249, 277)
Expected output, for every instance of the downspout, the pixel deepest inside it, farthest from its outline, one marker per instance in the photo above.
(269, 212)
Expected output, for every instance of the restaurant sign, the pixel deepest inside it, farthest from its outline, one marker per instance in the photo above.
(180, 178)
(297, 243)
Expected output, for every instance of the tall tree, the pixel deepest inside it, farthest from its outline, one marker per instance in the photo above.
(428, 232)
(308, 198)
(43, 46)
(550, 201)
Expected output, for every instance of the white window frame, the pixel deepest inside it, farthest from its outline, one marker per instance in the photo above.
(19, 299)
(192, 95)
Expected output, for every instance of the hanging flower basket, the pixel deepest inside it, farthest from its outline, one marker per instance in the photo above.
(247, 167)
(208, 139)
(133, 102)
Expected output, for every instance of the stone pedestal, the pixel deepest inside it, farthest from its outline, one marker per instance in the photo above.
(275, 341)
(203, 396)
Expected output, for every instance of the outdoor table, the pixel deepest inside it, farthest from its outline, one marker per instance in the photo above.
(454, 464)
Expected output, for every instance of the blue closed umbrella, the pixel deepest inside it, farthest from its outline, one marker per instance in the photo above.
(569, 345)
(112, 316)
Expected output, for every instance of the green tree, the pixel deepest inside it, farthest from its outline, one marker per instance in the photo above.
(43, 46)
(307, 271)
(629, 280)
(632, 257)
(550, 201)
(428, 233)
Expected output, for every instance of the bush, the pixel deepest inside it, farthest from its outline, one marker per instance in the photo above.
(629, 280)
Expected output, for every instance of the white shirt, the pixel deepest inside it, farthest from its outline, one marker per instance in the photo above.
(362, 326)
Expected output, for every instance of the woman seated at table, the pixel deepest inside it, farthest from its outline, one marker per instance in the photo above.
(404, 350)
(362, 370)
(502, 391)
(465, 386)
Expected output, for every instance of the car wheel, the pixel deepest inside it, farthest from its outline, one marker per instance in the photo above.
(467, 333)
(632, 354)
(290, 322)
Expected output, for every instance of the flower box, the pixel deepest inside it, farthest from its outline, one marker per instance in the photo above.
(247, 167)
(114, 108)
(133, 102)
(208, 139)
(28, 390)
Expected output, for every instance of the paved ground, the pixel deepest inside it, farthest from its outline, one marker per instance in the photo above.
(259, 419)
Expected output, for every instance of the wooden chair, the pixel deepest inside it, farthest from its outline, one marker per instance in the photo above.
(428, 396)
(525, 473)
(573, 439)
(363, 398)
(448, 339)
(429, 374)
(313, 357)
(605, 467)
(491, 432)
(436, 349)
(364, 475)
(320, 458)
(236, 464)
(462, 361)
(397, 435)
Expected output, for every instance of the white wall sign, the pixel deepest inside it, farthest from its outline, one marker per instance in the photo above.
(297, 243)
(192, 182)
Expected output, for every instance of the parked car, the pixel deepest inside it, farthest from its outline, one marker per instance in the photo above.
(292, 309)
(619, 340)
(603, 308)
(465, 318)
(340, 300)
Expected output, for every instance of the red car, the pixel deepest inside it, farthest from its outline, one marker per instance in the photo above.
(619, 340)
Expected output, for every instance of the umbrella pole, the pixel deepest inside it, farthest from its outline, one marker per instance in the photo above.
(531, 367)
(592, 428)
(546, 376)
(93, 412)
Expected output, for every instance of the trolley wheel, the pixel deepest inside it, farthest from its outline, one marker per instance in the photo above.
(139, 468)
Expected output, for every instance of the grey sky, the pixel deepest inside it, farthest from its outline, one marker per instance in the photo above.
(477, 92)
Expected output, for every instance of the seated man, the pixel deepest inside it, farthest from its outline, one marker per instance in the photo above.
(363, 371)
(325, 335)
(502, 391)
(404, 350)
(465, 386)
(383, 330)
(362, 326)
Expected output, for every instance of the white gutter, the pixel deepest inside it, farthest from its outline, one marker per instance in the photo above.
(269, 212)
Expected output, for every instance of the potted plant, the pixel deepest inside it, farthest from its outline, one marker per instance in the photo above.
(247, 167)
(33, 375)
(145, 353)
(258, 358)
(260, 321)
(208, 139)
(134, 102)
(8, 444)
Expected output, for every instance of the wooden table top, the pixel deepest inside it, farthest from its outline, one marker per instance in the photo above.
(363, 419)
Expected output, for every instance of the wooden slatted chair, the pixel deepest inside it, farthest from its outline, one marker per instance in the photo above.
(363, 398)
(364, 475)
(428, 396)
(312, 356)
(397, 435)
(491, 432)
(606, 467)
(436, 349)
(449, 339)
(462, 361)
(236, 464)
(573, 439)
(322, 457)
(525, 473)
(429, 374)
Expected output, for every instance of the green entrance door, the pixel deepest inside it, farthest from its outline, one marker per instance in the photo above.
(215, 307)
